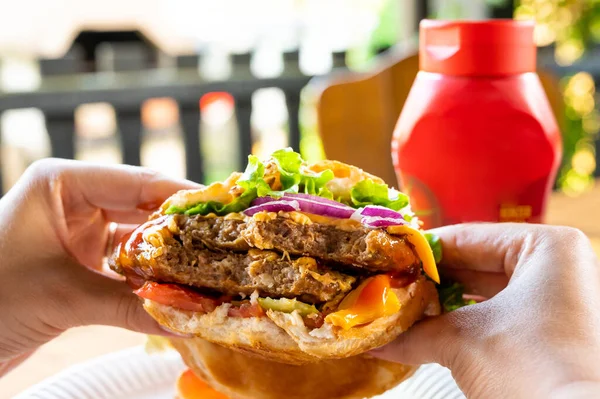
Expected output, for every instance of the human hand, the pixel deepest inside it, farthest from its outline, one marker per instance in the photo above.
(55, 233)
(539, 333)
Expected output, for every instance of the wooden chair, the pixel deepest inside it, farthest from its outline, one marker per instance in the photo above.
(357, 112)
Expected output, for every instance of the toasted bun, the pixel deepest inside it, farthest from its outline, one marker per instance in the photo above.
(257, 336)
(245, 377)
(283, 337)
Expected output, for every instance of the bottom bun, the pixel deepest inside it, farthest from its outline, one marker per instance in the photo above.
(240, 376)
(284, 338)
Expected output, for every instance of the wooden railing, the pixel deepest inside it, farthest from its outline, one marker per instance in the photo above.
(59, 95)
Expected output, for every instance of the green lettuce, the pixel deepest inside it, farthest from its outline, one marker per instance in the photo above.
(294, 180)
(204, 208)
(367, 192)
(251, 181)
(451, 296)
(451, 293)
(436, 246)
(253, 178)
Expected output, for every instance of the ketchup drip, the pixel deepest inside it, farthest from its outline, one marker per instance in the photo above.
(403, 278)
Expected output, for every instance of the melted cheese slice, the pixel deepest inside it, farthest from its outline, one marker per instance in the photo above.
(308, 218)
(424, 252)
(371, 300)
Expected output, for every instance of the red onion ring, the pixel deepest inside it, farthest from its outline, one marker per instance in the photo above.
(312, 204)
(373, 216)
(273, 206)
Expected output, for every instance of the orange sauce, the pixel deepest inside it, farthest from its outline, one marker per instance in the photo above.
(189, 386)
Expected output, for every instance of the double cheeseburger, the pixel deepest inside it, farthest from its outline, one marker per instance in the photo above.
(289, 262)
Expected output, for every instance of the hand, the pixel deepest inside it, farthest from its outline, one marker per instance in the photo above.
(539, 333)
(54, 235)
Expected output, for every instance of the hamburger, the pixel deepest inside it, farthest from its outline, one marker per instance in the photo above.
(287, 262)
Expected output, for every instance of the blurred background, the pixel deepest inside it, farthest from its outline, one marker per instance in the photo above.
(190, 87)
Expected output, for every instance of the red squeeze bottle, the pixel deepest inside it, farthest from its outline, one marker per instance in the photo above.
(477, 139)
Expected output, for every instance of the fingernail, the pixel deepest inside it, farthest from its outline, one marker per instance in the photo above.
(168, 331)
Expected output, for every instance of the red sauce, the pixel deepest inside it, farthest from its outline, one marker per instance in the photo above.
(403, 278)
(314, 322)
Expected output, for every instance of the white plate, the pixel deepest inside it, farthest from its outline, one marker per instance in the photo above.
(134, 374)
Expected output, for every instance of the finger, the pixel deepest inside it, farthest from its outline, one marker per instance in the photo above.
(430, 341)
(113, 187)
(123, 187)
(115, 233)
(8, 365)
(485, 247)
(100, 300)
(485, 284)
(121, 231)
(134, 216)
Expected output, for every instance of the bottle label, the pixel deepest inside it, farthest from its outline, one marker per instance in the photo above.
(515, 213)
(459, 205)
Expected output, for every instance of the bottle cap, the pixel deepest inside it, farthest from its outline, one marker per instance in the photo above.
(477, 48)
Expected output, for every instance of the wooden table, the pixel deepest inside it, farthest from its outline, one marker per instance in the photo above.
(83, 343)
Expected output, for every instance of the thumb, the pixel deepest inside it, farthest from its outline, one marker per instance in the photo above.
(434, 340)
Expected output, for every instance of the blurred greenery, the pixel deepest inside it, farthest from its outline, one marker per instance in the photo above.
(572, 27)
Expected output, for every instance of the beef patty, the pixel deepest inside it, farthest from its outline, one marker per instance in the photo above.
(372, 249)
(278, 257)
(233, 273)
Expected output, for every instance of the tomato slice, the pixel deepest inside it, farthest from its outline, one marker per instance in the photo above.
(189, 386)
(246, 310)
(177, 296)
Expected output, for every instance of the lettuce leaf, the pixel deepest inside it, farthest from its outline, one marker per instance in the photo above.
(251, 181)
(436, 246)
(204, 208)
(294, 180)
(367, 192)
(451, 293)
(451, 296)
(288, 163)
(253, 178)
